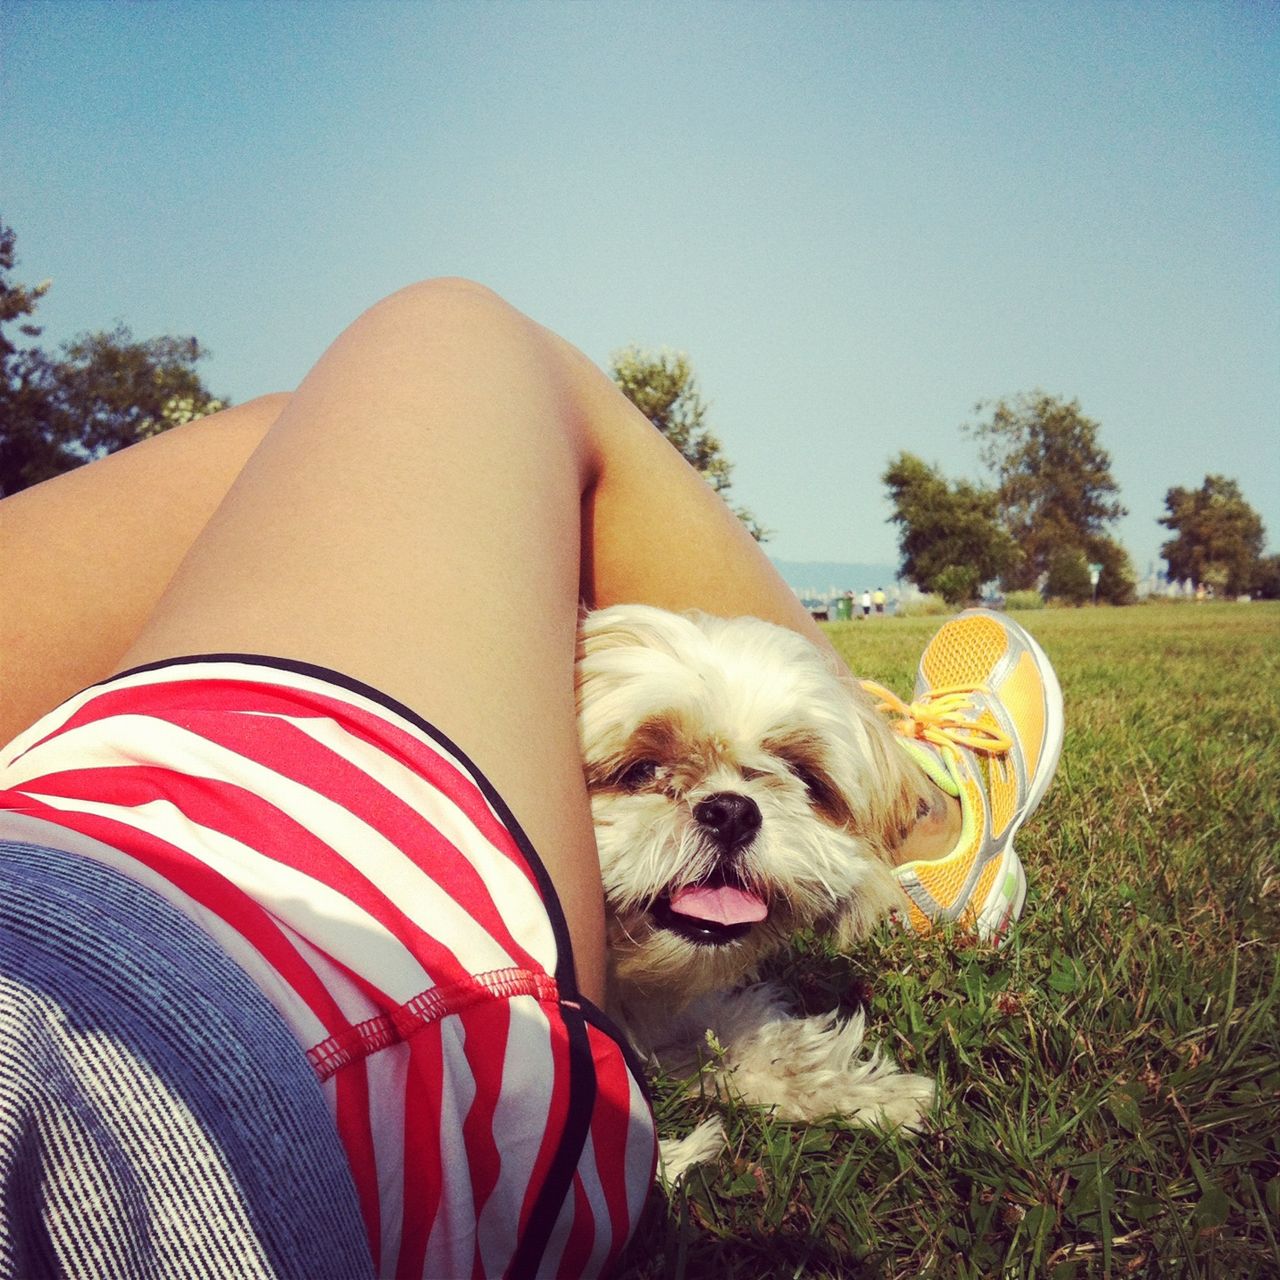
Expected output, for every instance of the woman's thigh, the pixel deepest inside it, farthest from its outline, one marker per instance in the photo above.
(412, 520)
(85, 556)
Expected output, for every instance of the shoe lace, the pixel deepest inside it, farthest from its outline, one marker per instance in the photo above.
(938, 718)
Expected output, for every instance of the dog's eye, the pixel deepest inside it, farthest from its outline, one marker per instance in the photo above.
(637, 775)
(819, 789)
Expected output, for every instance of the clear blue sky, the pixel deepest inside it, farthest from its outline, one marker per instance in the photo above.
(857, 219)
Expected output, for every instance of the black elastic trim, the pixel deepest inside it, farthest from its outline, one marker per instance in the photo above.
(602, 1022)
(564, 1164)
(566, 975)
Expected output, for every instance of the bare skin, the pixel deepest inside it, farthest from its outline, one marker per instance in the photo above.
(444, 446)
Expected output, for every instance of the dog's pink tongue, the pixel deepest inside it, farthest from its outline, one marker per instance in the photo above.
(723, 904)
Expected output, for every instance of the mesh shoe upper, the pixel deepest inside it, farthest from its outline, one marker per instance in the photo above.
(986, 725)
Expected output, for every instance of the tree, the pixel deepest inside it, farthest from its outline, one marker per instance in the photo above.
(1068, 578)
(28, 453)
(105, 391)
(117, 390)
(1267, 583)
(663, 386)
(1117, 581)
(950, 536)
(1054, 482)
(1219, 538)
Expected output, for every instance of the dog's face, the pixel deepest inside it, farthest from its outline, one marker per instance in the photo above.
(740, 791)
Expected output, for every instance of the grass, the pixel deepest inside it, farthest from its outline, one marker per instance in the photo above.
(1110, 1079)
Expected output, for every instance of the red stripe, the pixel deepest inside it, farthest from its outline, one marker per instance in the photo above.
(611, 1128)
(205, 886)
(576, 1257)
(266, 692)
(251, 820)
(290, 751)
(486, 1035)
(423, 1166)
(215, 710)
(353, 1114)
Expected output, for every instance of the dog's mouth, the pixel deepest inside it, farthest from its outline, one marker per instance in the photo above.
(711, 913)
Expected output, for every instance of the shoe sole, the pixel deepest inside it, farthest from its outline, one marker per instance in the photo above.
(1005, 902)
(1054, 727)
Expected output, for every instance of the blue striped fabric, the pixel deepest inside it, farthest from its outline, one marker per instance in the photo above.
(157, 1116)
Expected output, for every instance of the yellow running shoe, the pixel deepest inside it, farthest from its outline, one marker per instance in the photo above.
(986, 725)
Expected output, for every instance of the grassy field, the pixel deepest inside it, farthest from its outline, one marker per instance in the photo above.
(1110, 1079)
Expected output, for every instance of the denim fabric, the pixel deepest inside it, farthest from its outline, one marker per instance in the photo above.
(157, 1116)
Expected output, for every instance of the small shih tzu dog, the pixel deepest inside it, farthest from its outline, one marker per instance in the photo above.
(741, 791)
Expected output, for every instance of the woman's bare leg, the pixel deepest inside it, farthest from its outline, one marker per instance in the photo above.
(84, 557)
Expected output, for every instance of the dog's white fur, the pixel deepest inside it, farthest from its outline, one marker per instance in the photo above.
(674, 709)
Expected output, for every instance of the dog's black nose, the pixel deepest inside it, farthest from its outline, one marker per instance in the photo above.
(731, 818)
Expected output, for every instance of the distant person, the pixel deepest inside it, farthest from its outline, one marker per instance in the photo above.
(866, 604)
(879, 600)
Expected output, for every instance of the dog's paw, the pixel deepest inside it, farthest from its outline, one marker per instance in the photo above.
(812, 1069)
(890, 1099)
(676, 1156)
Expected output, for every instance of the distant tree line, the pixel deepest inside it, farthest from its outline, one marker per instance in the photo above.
(1046, 518)
(1042, 521)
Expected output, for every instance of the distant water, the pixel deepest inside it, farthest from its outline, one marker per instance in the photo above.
(822, 576)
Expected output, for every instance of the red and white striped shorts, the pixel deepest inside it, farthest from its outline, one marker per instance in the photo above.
(371, 881)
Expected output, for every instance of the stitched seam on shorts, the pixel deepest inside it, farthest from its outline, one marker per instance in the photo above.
(361, 1039)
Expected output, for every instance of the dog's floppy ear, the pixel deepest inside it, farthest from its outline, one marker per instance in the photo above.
(885, 822)
(630, 625)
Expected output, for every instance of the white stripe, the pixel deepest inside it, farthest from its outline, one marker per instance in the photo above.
(308, 906)
(143, 740)
(519, 1126)
(231, 670)
(642, 1139)
(515, 897)
(451, 1245)
(567, 1222)
(591, 1185)
(388, 1073)
(558, 1239)
(527, 914)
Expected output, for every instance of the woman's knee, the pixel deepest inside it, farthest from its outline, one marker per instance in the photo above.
(443, 299)
(463, 356)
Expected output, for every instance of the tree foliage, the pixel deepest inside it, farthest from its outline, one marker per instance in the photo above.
(1054, 482)
(104, 391)
(27, 451)
(1117, 581)
(1219, 538)
(1267, 582)
(1069, 579)
(663, 386)
(119, 390)
(950, 536)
